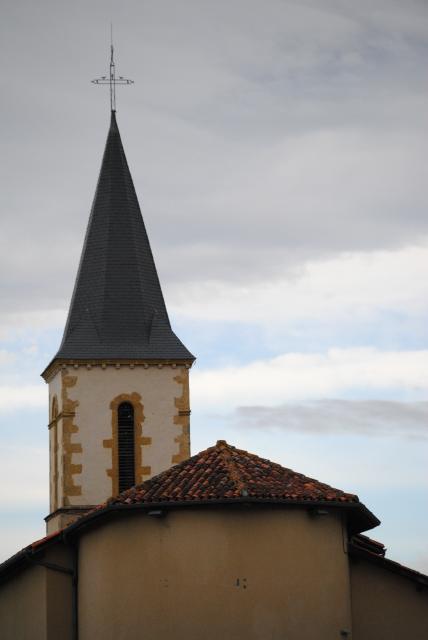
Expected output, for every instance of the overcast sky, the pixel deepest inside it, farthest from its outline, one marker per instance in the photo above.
(278, 150)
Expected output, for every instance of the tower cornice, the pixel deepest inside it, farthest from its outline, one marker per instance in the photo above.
(59, 364)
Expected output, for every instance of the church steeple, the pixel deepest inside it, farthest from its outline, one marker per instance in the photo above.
(117, 309)
(119, 384)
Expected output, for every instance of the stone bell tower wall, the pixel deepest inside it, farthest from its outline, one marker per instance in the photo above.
(83, 402)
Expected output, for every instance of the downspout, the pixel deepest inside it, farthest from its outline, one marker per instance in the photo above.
(345, 544)
(75, 594)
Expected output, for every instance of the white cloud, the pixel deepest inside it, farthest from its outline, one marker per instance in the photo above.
(23, 397)
(306, 376)
(31, 485)
(31, 350)
(27, 324)
(6, 357)
(271, 135)
(353, 285)
(24, 495)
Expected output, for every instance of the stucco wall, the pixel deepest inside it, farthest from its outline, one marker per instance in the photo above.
(23, 606)
(85, 395)
(215, 574)
(386, 605)
(35, 604)
(59, 592)
(55, 390)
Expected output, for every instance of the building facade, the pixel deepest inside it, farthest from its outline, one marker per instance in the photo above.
(222, 545)
(145, 541)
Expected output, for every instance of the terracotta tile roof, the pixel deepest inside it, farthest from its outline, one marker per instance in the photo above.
(42, 541)
(21, 558)
(368, 544)
(220, 474)
(223, 473)
(363, 547)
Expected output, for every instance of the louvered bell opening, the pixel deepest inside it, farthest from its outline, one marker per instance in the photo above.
(126, 446)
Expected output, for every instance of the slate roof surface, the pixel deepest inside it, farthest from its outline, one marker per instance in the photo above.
(117, 309)
(225, 473)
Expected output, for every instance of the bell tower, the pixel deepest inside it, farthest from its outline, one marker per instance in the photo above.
(119, 385)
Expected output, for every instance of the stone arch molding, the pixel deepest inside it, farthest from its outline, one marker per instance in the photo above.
(54, 453)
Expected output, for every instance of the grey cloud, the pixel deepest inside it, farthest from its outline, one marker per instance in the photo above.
(347, 417)
(259, 134)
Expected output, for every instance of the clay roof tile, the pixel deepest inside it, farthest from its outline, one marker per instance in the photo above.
(226, 473)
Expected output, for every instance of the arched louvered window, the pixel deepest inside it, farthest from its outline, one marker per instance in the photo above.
(126, 446)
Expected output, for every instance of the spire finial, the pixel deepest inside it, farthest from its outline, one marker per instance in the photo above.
(112, 80)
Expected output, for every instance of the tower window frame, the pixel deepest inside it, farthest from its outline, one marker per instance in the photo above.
(112, 443)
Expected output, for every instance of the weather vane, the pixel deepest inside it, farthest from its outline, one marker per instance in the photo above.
(112, 80)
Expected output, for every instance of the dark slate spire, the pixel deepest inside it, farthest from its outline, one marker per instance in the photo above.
(117, 310)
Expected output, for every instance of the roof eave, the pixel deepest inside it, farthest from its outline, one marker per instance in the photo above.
(390, 565)
(56, 363)
(23, 558)
(359, 519)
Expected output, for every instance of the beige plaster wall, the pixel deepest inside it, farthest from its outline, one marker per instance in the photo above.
(90, 391)
(35, 604)
(59, 592)
(55, 386)
(386, 605)
(215, 574)
(23, 606)
(63, 519)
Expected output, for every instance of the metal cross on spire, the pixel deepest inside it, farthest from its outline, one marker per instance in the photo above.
(112, 80)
